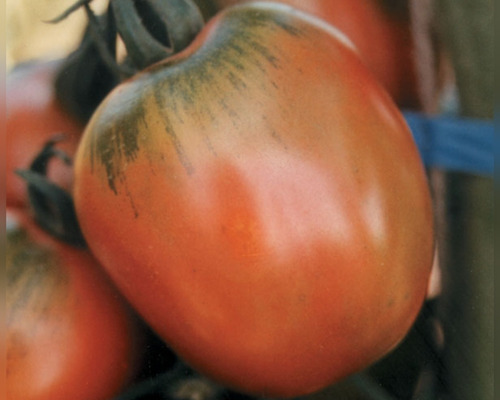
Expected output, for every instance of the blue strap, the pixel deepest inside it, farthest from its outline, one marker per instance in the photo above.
(455, 144)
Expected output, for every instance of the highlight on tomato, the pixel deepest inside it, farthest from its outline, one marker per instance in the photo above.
(259, 199)
(380, 30)
(69, 334)
(33, 116)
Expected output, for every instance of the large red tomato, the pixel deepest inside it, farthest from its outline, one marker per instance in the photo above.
(33, 117)
(259, 199)
(380, 31)
(69, 334)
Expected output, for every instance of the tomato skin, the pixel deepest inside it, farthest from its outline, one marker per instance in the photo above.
(33, 117)
(69, 335)
(383, 40)
(259, 200)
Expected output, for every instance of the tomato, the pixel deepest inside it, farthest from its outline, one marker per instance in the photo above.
(69, 335)
(33, 117)
(382, 36)
(260, 201)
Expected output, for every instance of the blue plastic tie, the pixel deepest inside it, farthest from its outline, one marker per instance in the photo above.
(454, 144)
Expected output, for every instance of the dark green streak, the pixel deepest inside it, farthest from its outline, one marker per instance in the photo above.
(173, 137)
(231, 62)
(118, 141)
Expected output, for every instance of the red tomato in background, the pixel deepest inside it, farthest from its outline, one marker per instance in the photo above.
(69, 334)
(33, 117)
(383, 39)
(260, 201)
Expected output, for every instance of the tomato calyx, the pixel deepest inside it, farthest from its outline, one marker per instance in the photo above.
(156, 29)
(88, 74)
(52, 206)
(151, 30)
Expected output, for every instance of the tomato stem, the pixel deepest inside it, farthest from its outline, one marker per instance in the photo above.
(105, 42)
(53, 207)
(89, 73)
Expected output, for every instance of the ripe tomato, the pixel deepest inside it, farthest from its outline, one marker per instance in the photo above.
(33, 117)
(259, 199)
(69, 335)
(383, 39)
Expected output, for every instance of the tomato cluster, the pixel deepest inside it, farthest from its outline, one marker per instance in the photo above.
(69, 332)
(257, 198)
